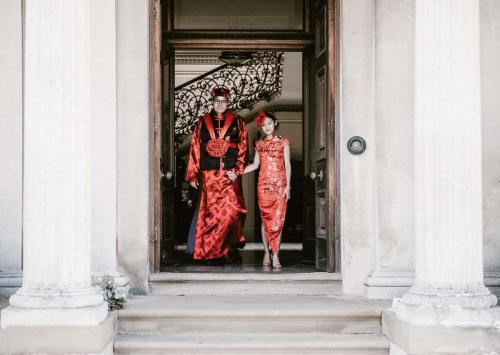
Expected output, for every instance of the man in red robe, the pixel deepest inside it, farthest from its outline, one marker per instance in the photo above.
(218, 146)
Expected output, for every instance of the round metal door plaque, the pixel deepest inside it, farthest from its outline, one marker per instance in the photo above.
(356, 145)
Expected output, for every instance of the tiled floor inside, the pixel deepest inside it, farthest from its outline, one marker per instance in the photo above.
(290, 257)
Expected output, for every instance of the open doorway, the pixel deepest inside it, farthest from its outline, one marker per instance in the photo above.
(270, 81)
(309, 123)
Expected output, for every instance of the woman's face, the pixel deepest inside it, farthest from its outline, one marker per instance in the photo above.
(220, 104)
(268, 126)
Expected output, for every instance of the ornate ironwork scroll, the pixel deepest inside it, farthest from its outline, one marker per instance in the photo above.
(259, 79)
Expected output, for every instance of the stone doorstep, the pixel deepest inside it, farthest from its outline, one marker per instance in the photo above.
(185, 277)
(340, 305)
(426, 339)
(230, 326)
(273, 342)
(254, 314)
(226, 288)
(58, 339)
(218, 284)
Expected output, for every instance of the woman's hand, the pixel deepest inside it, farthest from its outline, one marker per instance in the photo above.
(232, 176)
(287, 193)
(194, 184)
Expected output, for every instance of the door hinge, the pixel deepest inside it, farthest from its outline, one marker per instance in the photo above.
(156, 13)
(156, 234)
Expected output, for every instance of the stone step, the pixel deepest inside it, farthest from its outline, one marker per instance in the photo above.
(255, 314)
(251, 343)
(219, 283)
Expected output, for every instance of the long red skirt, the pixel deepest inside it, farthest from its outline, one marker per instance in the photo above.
(272, 205)
(221, 216)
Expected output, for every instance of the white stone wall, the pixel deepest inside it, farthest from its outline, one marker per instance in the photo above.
(490, 82)
(357, 177)
(394, 134)
(132, 140)
(11, 137)
(394, 112)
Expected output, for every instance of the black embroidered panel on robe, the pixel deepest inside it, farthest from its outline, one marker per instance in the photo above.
(210, 163)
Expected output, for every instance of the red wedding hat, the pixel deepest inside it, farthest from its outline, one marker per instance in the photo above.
(220, 91)
(261, 116)
(259, 120)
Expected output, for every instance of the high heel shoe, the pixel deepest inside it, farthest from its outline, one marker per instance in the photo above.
(266, 261)
(276, 261)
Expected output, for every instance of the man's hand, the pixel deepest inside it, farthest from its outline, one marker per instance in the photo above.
(194, 184)
(232, 176)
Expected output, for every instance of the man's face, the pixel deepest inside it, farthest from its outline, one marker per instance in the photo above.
(220, 104)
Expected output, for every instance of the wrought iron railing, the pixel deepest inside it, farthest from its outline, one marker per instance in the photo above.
(259, 79)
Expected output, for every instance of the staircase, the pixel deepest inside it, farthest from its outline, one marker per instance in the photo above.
(257, 80)
(238, 313)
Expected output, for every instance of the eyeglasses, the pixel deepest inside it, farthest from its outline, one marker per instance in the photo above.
(221, 102)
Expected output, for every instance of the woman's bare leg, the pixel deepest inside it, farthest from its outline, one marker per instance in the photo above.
(264, 239)
(267, 257)
(276, 259)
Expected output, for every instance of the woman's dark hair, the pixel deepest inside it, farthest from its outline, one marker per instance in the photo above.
(259, 119)
(261, 116)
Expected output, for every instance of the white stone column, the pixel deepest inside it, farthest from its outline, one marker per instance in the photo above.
(103, 155)
(449, 287)
(56, 225)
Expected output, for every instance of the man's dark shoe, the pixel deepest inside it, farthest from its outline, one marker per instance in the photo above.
(215, 262)
(235, 257)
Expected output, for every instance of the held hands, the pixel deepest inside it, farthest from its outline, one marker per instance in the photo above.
(194, 184)
(232, 176)
(287, 193)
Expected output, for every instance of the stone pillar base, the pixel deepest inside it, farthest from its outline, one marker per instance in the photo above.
(28, 297)
(82, 316)
(416, 339)
(387, 285)
(384, 285)
(448, 306)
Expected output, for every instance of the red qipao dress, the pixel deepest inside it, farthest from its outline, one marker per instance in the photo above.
(271, 187)
(219, 145)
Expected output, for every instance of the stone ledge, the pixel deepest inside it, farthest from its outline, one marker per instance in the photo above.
(59, 339)
(10, 283)
(413, 339)
(386, 285)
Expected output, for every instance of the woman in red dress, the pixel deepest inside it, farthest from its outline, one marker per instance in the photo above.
(272, 154)
(218, 146)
